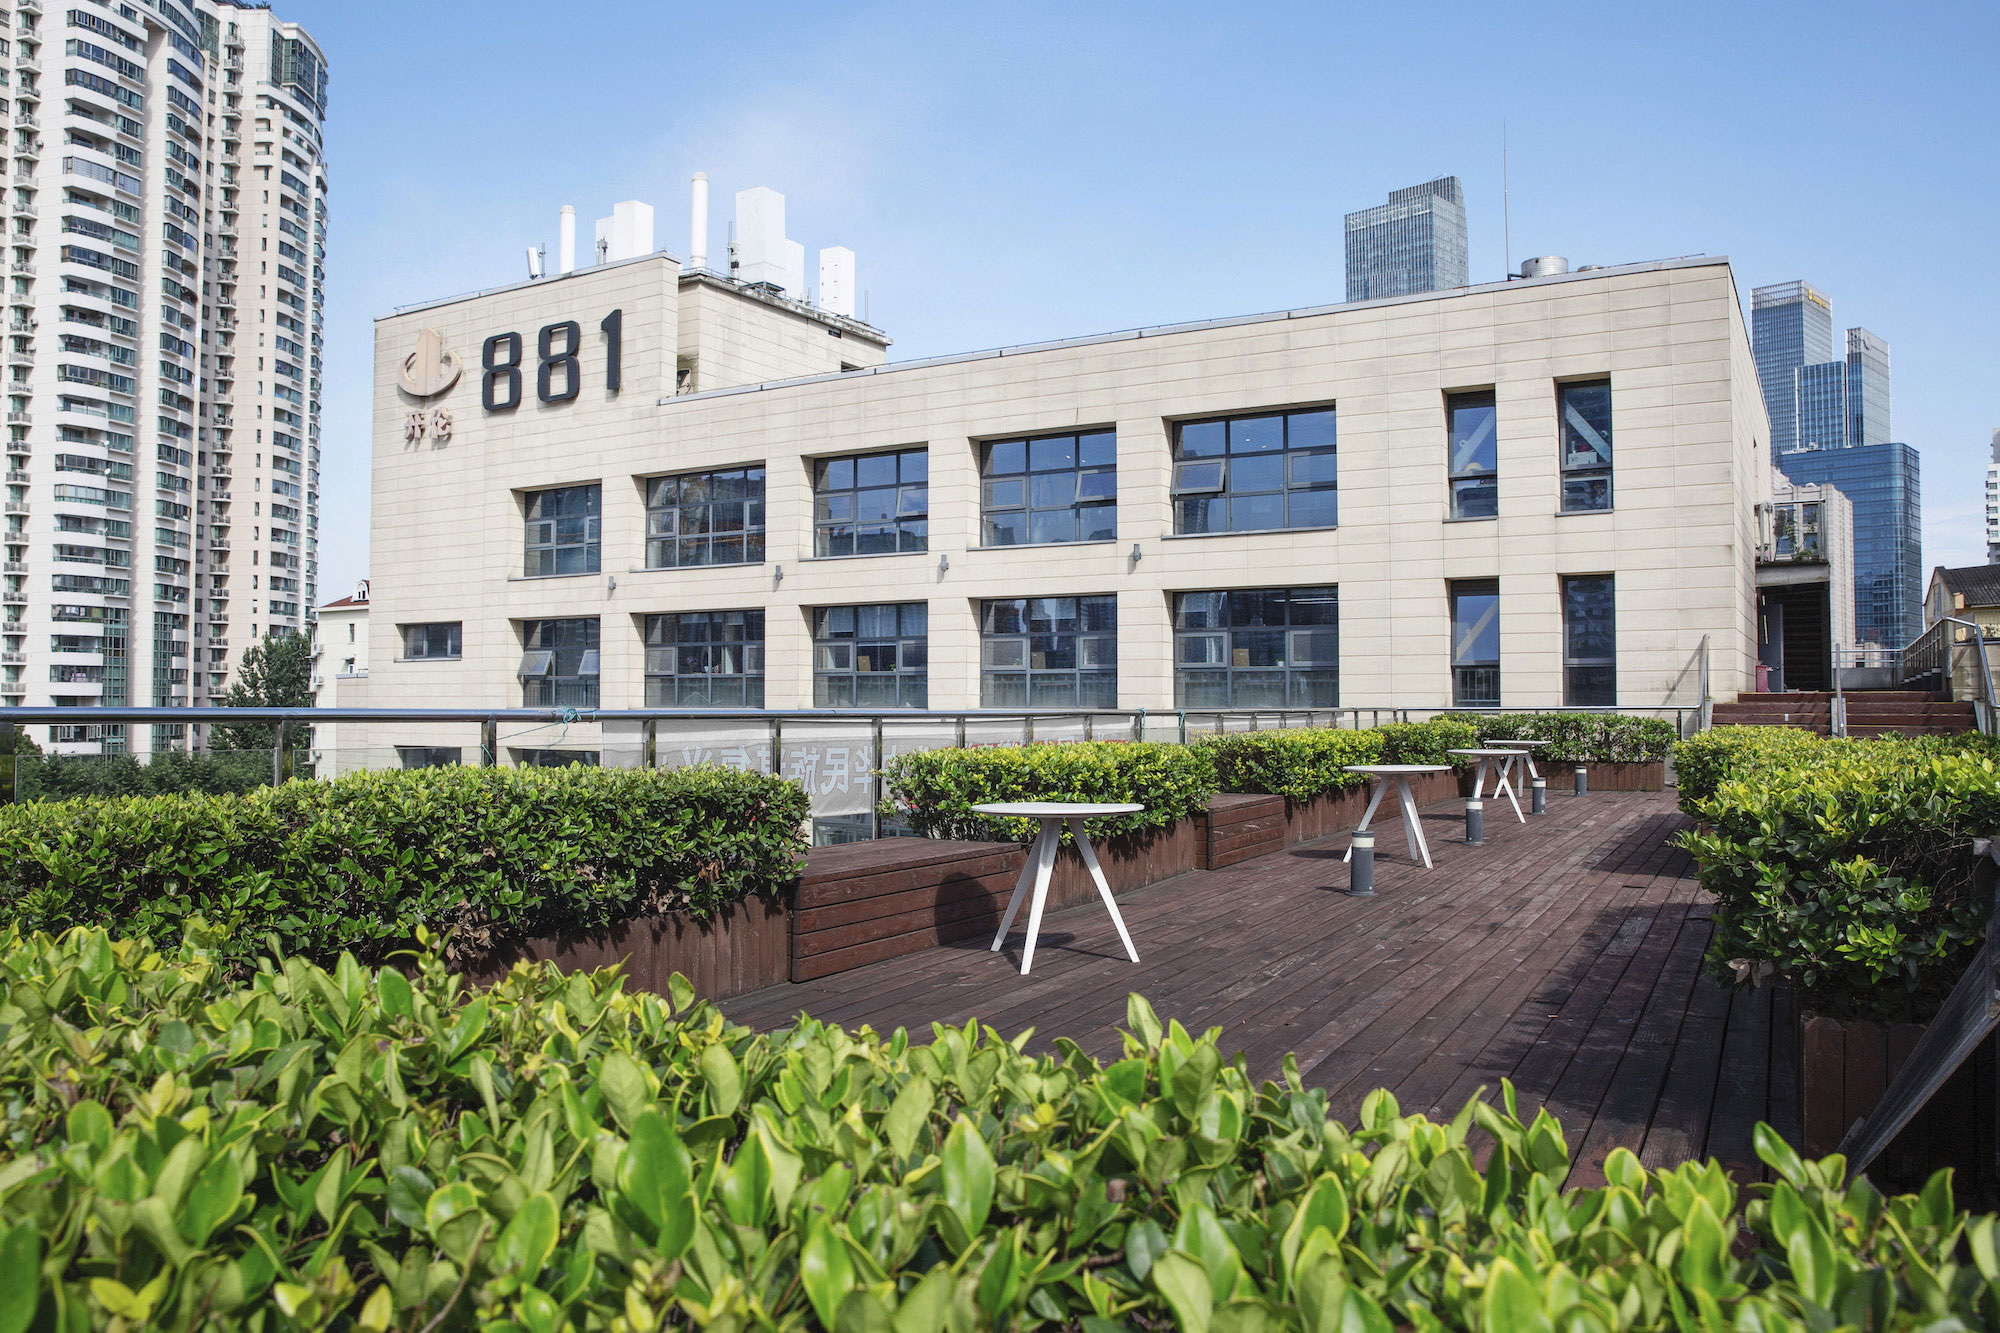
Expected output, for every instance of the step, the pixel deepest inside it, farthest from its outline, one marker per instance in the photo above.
(1863, 729)
(1908, 712)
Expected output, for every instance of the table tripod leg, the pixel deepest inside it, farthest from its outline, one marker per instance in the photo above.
(1020, 889)
(1045, 863)
(1413, 825)
(1103, 889)
(1374, 800)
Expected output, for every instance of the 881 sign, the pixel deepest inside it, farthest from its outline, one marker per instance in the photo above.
(559, 366)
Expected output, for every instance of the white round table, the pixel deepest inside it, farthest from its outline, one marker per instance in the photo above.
(1413, 824)
(1503, 763)
(1527, 748)
(1042, 862)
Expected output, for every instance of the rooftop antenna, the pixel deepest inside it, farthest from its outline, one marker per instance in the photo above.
(1506, 202)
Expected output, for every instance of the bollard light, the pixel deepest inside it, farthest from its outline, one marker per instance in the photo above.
(1361, 876)
(1541, 806)
(1475, 821)
(1582, 780)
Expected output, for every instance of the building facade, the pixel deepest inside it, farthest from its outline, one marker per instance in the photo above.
(1536, 494)
(1415, 243)
(1884, 483)
(1791, 326)
(166, 224)
(339, 669)
(1993, 504)
(1805, 583)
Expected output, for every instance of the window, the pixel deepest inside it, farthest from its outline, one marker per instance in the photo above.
(1060, 488)
(1049, 652)
(440, 640)
(428, 756)
(872, 504)
(705, 518)
(1257, 648)
(563, 531)
(705, 659)
(1475, 643)
(556, 758)
(1590, 641)
(559, 664)
(1585, 416)
(1255, 474)
(871, 656)
(1475, 464)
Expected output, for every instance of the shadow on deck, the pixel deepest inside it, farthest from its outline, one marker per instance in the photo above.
(1564, 954)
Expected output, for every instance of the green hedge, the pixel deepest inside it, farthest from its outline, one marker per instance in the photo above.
(1581, 738)
(1843, 865)
(935, 790)
(352, 1149)
(483, 855)
(1298, 765)
(57, 778)
(1427, 742)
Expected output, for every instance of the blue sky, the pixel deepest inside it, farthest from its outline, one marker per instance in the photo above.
(1013, 172)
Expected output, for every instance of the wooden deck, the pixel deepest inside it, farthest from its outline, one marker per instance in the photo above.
(1564, 954)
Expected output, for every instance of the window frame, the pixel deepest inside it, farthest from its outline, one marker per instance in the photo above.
(582, 685)
(1573, 663)
(1077, 508)
(750, 650)
(430, 756)
(1586, 473)
(1461, 695)
(1235, 601)
(910, 527)
(911, 686)
(1089, 638)
(455, 641)
(1457, 475)
(752, 535)
(591, 543)
(1234, 428)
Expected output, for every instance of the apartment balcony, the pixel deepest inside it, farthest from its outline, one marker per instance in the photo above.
(13, 659)
(16, 357)
(22, 268)
(218, 543)
(14, 689)
(27, 64)
(26, 211)
(20, 419)
(219, 493)
(15, 507)
(14, 597)
(13, 567)
(28, 6)
(220, 471)
(32, 150)
(27, 120)
(17, 477)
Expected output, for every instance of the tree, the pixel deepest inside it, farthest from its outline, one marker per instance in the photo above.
(276, 673)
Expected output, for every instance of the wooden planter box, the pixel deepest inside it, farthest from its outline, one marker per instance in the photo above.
(1608, 777)
(1325, 816)
(867, 901)
(1844, 1067)
(745, 948)
(1238, 828)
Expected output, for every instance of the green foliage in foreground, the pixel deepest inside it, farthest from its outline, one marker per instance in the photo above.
(935, 790)
(485, 855)
(1844, 865)
(376, 1150)
(1581, 738)
(1298, 765)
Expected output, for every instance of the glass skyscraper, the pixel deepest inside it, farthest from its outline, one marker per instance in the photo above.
(1884, 482)
(1414, 243)
(1791, 325)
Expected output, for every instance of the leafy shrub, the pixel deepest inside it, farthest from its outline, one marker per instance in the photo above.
(1702, 763)
(374, 1150)
(1845, 865)
(484, 855)
(1581, 738)
(1427, 742)
(1298, 765)
(935, 790)
(61, 778)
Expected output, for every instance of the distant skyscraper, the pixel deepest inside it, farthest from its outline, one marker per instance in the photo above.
(1884, 482)
(1414, 243)
(1791, 325)
(1867, 388)
(1993, 504)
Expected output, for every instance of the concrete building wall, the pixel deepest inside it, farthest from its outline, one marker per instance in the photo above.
(730, 338)
(1690, 459)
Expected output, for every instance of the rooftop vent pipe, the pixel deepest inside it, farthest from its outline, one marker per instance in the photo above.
(698, 244)
(566, 250)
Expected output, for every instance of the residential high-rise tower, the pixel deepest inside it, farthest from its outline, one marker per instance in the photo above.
(166, 213)
(1993, 504)
(1415, 243)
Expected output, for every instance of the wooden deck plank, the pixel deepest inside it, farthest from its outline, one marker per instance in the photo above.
(1565, 953)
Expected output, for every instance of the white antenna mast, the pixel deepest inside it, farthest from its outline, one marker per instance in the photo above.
(1506, 202)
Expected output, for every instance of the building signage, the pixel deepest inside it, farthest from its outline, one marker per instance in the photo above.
(432, 368)
(559, 368)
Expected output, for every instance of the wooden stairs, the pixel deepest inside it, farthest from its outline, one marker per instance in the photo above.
(1869, 712)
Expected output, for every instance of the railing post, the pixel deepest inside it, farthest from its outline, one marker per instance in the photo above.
(9, 759)
(875, 783)
(281, 756)
(489, 743)
(649, 743)
(1027, 729)
(1139, 725)
(777, 746)
(1181, 715)
(961, 733)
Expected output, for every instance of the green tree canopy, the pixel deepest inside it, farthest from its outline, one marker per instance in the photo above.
(276, 673)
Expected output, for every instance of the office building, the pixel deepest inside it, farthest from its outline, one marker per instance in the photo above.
(1791, 326)
(1805, 583)
(165, 219)
(1993, 504)
(1884, 483)
(1415, 243)
(1268, 511)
